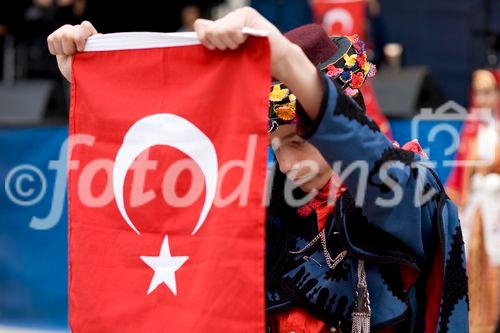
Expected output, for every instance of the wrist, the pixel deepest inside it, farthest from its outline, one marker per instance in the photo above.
(297, 72)
(285, 66)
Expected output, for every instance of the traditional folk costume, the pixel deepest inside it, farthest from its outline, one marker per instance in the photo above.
(356, 268)
(477, 192)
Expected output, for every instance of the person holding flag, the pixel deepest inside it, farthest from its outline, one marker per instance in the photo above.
(373, 242)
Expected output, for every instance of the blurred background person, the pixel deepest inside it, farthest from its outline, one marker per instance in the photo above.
(189, 14)
(40, 18)
(32, 58)
(476, 189)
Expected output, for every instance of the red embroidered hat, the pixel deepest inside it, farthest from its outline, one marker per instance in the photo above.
(314, 41)
(342, 58)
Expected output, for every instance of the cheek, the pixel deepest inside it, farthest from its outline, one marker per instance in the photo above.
(312, 153)
(313, 156)
(324, 167)
(479, 97)
(493, 99)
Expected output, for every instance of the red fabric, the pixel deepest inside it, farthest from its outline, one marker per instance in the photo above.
(320, 199)
(408, 277)
(320, 202)
(299, 321)
(414, 146)
(322, 213)
(496, 72)
(373, 109)
(339, 17)
(220, 288)
(457, 182)
(433, 291)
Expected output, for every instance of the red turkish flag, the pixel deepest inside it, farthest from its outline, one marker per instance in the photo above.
(167, 167)
(341, 17)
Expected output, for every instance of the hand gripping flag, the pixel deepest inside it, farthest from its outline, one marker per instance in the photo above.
(166, 182)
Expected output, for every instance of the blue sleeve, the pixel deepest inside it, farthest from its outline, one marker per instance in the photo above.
(347, 138)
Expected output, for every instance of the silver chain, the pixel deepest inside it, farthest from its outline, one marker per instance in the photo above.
(362, 314)
(311, 243)
(361, 273)
(332, 263)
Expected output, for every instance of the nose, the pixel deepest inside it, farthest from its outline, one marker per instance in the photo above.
(285, 162)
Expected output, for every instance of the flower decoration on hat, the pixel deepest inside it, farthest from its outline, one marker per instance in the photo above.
(361, 60)
(350, 68)
(278, 93)
(350, 60)
(333, 71)
(351, 92)
(357, 80)
(282, 106)
(372, 71)
(286, 112)
(366, 67)
(358, 44)
(346, 76)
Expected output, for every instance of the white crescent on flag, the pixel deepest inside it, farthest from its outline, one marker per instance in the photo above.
(169, 130)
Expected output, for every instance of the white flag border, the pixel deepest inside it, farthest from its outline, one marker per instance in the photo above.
(149, 40)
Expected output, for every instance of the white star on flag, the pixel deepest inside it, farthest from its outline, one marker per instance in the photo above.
(164, 267)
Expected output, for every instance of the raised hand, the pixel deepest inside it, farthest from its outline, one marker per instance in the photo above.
(288, 63)
(66, 41)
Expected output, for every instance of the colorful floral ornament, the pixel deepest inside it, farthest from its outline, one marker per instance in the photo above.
(346, 76)
(351, 74)
(373, 71)
(351, 92)
(358, 44)
(282, 107)
(360, 47)
(357, 80)
(286, 111)
(333, 71)
(278, 94)
(366, 67)
(350, 61)
(356, 67)
(361, 60)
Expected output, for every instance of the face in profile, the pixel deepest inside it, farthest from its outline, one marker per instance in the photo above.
(299, 160)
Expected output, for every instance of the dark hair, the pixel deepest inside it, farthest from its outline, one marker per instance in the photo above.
(277, 203)
(278, 213)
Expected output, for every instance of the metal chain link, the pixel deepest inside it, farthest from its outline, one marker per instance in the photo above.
(332, 263)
